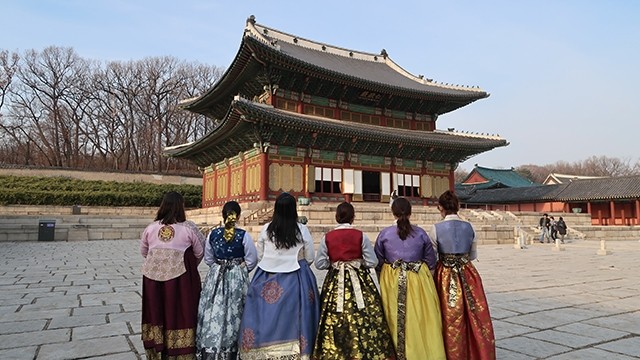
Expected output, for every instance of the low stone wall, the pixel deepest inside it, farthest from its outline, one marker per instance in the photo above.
(71, 227)
(36, 210)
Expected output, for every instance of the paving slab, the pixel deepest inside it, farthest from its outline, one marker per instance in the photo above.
(83, 299)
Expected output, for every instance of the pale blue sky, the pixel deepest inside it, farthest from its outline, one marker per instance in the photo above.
(564, 75)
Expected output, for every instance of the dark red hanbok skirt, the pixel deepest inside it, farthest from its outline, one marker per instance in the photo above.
(170, 313)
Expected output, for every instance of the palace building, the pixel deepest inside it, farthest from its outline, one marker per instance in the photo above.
(326, 124)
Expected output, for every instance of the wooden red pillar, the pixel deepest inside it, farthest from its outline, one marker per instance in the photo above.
(244, 178)
(612, 213)
(228, 181)
(305, 176)
(264, 176)
(637, 211)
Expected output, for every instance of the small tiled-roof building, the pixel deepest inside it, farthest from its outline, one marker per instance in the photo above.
(609, 200)
(326, 123)
(487, 178)
(555, 178)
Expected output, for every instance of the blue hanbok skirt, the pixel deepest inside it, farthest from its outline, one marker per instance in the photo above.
(281, 314)
(220, 310)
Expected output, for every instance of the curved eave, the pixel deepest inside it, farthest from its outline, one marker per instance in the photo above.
(268, 53)
(254, 53)
(247, 123)
(225, 88)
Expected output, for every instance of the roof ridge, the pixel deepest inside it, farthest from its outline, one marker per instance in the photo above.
(264, 34)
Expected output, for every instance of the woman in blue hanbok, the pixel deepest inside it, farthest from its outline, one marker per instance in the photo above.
(231, 255)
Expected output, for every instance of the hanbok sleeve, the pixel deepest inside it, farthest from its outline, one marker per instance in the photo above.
(209, 258)
(309, 252)
(428, 254)
(144, 242)
(433, 235)
(378, 248)
(368, 253)
(473, 252)
(261, 239)
(322, 261)
(250, 252)
(197, 240)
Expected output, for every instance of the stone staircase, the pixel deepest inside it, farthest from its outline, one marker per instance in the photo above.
(21, 223)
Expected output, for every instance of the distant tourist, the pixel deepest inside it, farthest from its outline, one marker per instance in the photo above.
(544, 224)
(553, 228)
(281, 313)
(562, 228)
(406, 260)
(394, 195)
(231, 255)
(352, 322)
(466, 322)
(172, 248)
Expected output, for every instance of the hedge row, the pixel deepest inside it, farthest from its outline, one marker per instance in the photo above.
(65, 191)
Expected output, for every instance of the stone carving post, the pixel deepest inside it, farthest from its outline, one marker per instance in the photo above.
(603, 248)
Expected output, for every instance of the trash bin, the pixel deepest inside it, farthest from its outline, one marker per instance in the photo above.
(75, 210)
(46, 230)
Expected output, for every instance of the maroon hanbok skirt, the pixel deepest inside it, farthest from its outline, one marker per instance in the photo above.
(170, 313)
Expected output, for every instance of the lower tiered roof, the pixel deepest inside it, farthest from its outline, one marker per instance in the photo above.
(249, 123)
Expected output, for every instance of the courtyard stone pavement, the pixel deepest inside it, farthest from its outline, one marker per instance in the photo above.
(72, 300)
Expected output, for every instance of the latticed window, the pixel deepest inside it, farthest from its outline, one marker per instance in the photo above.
(288, 105)
(361, 118)
(328, 180)
(318, 111)
(408, 185)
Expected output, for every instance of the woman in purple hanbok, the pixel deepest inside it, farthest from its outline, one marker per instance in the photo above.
(406, 260)
(282, 311)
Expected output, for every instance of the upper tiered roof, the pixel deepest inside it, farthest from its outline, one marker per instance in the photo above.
(269, 57)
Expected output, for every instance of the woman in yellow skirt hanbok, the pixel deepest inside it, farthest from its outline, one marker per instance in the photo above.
(407, 261)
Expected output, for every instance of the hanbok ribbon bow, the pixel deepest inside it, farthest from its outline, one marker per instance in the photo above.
(351, 267)
(456, 262)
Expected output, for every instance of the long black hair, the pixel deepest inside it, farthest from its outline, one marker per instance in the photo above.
(171, 209)
(283, 229)
(401, 208)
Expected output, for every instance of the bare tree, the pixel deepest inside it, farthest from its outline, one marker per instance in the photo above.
(460, 175)
(63, 110)
(8, 68)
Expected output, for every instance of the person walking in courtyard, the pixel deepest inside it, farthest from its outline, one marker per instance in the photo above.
(406, 260)
(281, 313)
(544, 228)
(352, 322)
(172, 248)
(562, 228)
(231, 255)
(553, 228)
(468, 331)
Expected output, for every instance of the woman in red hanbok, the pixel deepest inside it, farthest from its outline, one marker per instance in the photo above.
(466, 322)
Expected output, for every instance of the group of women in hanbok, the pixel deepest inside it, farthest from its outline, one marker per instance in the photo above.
(426, 301)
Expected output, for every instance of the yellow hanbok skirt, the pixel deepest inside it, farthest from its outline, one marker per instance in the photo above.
(422, 328)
